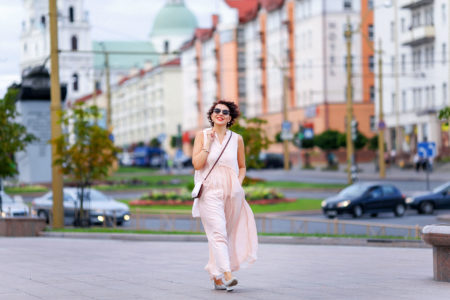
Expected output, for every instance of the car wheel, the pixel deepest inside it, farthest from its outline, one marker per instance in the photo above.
(357, 211)
(399, 210)
(427, 207)
(374, 215)
(330, 217)
(44, 215)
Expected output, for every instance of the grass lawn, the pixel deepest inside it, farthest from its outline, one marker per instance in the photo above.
(25, 189)
(135, 170)
(120, 230)
(300, 204)
(299, 185)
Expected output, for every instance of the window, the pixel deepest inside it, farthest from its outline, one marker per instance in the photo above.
(372, 123)
(389, 190)
(404, 101)
(371, 63)
(370, 4)
(25, 47)
(370, 31)
(74, 43)
(43, 21)
(393, 102)
(166, 47)
(402, 22)
(372, 93)
(392, 64)
(403, 63)
(392, 30)
(444, 53)
(347, 4)
(433, 96)
(444, 93)
(444, 13)
(71, 14)
(375, 192)
(75, 82)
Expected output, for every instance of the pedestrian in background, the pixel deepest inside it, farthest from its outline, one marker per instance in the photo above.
(227, 218)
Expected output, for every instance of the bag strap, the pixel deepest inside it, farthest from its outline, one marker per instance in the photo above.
(219, 156)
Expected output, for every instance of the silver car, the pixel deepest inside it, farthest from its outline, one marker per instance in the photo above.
(11, 208)
(97, 205)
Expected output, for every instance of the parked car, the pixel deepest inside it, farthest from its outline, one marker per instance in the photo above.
(97, 205)
(11, 208)
(426, 203)
(272, 160)
(148, 157)
(365, 197)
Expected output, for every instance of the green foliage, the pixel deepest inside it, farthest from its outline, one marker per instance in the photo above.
(278, 138)
(327, 140)
(255, 139)
(444, 114)
(155, 143)
(87, 153)
(360, 142)
(13, 136)
(175, 140)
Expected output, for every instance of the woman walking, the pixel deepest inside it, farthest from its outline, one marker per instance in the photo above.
(227, 218)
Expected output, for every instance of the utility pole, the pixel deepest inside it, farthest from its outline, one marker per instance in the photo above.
(397, 87)
(381, 124)
(285, 118)
(108, 94)
(349, 115)
(55, 108)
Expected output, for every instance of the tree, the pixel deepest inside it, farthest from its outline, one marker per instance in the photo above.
(13, 136)
(255, 139)
(86, 154)
(155, 143)
(327, 141)
(444, 114)
(360, 142)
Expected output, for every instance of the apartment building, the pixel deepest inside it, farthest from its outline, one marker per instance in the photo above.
(415, 42)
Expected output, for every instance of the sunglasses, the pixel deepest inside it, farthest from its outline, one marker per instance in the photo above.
(225, 112)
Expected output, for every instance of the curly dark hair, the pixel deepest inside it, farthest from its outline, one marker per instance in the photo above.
(234, 111)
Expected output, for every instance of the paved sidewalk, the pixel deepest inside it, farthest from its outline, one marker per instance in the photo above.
(52, 268)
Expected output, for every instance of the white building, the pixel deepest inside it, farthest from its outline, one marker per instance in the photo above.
(73, 35)
(416, 76)
(147, 105)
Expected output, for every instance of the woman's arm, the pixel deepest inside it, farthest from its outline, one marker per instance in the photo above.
(241, 159)
(200, 152)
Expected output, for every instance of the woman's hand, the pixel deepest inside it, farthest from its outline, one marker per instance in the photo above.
(210, 135)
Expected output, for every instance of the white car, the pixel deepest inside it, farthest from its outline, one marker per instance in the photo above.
(11, 208)
(97, 205)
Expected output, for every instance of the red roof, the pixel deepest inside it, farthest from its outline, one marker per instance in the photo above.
(87, 97)
(271, 5)
(248, 9)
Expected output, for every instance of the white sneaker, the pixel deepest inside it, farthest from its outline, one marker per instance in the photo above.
(230, 283)
(219, 286)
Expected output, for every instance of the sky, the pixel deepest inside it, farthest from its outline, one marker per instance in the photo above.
(110, 20)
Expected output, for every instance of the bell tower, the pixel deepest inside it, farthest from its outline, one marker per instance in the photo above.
(76, 67)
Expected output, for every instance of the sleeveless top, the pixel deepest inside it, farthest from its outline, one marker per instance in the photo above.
(227, 160)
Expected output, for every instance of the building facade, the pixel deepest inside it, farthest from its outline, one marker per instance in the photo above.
(415, 36)
(73, 35)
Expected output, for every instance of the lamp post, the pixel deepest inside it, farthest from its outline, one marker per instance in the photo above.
(349, 107)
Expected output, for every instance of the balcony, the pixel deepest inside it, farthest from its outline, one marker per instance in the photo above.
(418, 36)
(411, 4)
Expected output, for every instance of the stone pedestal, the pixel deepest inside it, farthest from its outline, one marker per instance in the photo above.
(439, 237)
(21, 226)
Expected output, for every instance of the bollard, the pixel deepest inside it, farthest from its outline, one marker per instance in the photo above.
(336, 226)
(138, 225)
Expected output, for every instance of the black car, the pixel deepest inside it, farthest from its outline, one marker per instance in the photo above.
(272, 160)
(360, 198)
(439, 198)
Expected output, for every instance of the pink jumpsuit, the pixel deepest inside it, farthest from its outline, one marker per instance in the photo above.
(226, 216)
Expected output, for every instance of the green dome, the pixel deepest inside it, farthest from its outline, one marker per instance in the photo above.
(174, 19)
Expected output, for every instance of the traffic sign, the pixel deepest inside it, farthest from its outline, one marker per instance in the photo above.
(308, 133)
(426, 149)
(381, 125)
(286, 131)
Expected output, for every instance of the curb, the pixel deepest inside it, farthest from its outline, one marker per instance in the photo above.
(289, 240)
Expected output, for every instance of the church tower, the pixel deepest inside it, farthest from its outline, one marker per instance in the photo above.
(76, 69)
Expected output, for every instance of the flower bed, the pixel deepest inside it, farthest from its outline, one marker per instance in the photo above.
(254, 195)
